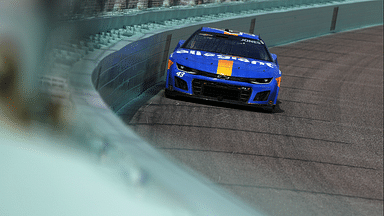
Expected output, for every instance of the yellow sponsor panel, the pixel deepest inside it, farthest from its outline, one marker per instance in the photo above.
(225, 67)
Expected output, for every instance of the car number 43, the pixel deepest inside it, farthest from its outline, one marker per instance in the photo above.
(180, 74)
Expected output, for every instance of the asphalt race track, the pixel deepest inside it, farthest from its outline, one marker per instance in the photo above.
(320, 153)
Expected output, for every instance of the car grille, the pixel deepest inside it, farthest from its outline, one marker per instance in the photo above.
(221, 91)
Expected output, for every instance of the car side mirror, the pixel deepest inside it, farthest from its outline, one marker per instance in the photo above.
(181, 42)
(274, 57)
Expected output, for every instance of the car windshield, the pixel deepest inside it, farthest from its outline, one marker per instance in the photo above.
(228, 45)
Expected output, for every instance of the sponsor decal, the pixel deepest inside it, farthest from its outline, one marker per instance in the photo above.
(243, 59)
(182, 51)
(226, 57)
(223, 57)
(225, 67)
(209, 54)
(262, 63)
(251, 41)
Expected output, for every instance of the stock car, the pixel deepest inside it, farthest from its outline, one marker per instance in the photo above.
(224, 65)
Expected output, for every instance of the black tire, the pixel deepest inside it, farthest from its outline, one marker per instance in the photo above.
(270, 109)
(168, 93)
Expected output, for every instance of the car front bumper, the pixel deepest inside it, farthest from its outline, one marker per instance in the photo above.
(234, 92)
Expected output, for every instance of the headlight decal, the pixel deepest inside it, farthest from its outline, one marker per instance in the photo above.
(186, 69)
(260, 80)
(278, 81)
(170, 63)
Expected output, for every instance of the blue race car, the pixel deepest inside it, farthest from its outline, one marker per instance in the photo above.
(224, 65)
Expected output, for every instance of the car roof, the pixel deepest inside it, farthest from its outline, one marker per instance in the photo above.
(230, 32)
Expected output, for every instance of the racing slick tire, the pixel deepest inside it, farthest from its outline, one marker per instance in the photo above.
(168, 93)
(270, 109)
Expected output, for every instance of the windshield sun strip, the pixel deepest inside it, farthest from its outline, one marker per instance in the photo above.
(229, 37)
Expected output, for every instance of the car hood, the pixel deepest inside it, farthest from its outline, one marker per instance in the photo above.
(209, 62)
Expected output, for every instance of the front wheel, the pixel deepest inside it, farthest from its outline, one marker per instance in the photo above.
(270, 109)
(168, 93)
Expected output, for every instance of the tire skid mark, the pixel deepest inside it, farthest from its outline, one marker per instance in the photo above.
(305, 58)
(299, 191)
(366, 69)
(341, 81)
(301, 102)
(325, 43)
(354, 40)
(335, 123)
(293, 61)
(267, 156)
(238, 130)
(321, 51)
(355, 105)
(301, 89)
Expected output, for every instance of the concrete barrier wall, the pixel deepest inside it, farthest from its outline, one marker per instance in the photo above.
(366, 13)
(91, 26)
(139, 66)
